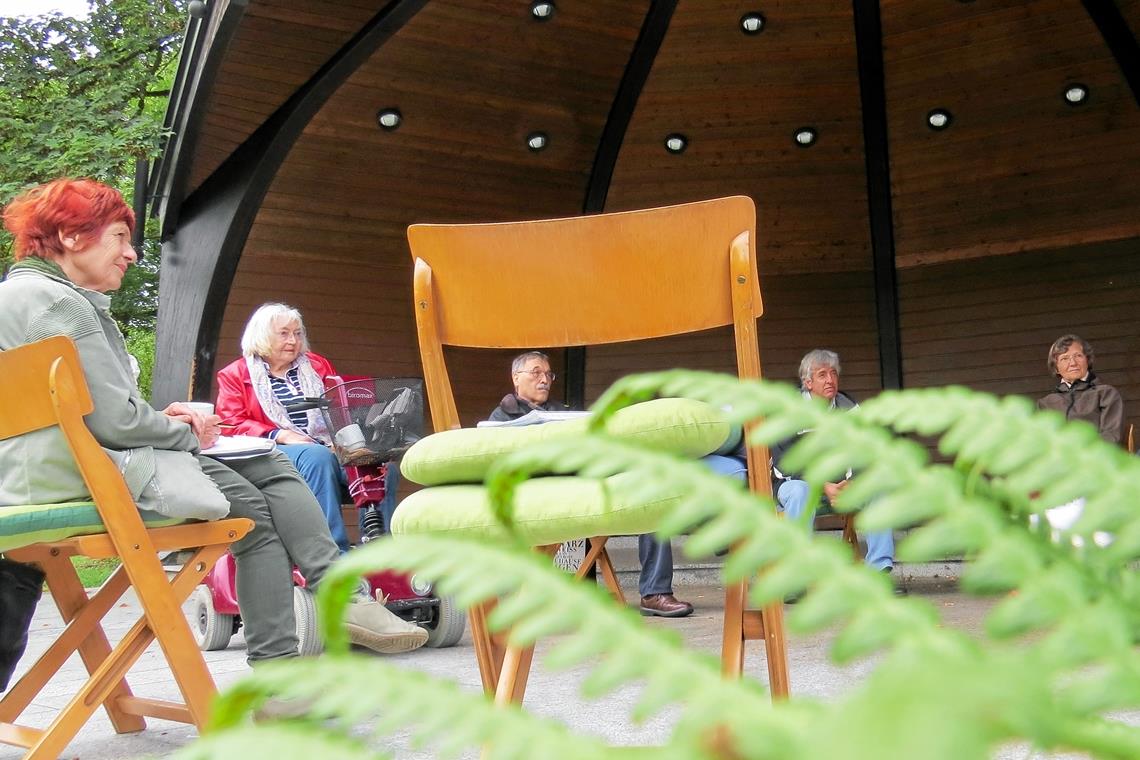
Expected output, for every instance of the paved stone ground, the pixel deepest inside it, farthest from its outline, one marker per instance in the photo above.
(553, 695)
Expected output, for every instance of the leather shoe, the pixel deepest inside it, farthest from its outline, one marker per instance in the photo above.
(665, 605)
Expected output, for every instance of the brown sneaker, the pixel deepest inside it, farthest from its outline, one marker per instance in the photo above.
(665, 605)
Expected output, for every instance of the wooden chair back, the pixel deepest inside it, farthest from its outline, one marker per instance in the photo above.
(42, 385)
(591, 280)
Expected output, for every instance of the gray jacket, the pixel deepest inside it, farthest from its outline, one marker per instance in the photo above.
(155, 453)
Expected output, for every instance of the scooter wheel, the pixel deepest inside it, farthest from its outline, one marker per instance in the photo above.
(305, 613)
(447, 625)
(212, 629)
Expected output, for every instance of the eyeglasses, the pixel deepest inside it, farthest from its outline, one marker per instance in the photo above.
(537, 373)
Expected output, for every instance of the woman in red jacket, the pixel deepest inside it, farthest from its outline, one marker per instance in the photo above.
(277, 367)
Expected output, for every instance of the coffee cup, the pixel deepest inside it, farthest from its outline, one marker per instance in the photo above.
(350, 437)
(204, 408)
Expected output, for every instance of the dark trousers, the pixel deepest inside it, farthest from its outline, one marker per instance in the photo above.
(20, 589)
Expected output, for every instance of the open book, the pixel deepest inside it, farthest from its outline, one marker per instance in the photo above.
(533, 417)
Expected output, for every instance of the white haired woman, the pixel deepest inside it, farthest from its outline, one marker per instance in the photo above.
(1079, 395)
(277, 367)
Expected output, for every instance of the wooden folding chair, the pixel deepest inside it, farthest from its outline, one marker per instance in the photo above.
(610, 278)
(42, 385)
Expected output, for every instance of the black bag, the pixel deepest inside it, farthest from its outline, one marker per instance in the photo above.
(20, 589)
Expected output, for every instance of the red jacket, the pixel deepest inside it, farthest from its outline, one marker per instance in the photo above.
(237, 405)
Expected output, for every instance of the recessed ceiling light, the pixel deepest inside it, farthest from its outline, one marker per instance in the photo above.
(542, 10)
(939, 119)
(752, 23)
(389, 118)
(676, 143)
(805, 137)
(1076, 93)
(536, 141)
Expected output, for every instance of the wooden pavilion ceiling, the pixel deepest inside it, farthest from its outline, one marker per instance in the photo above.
(1018, 172)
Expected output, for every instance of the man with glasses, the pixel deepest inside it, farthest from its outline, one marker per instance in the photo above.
(532, 379)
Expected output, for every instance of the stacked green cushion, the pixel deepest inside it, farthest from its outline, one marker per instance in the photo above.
(550, 510)
(37, 523)
(681, 426)
(547, 510)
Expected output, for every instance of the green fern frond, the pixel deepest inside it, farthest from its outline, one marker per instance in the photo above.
(935, 692)
(592, 625)
(279, 740)
(343, 692)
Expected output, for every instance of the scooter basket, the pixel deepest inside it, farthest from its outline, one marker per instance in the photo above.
(389, 412)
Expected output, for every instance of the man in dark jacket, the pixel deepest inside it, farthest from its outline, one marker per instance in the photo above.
(532, 379)
(819, 377)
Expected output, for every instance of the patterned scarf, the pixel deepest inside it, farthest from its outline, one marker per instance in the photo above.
(311, 385)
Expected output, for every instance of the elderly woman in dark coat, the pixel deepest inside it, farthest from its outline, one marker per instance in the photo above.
(1079, 395)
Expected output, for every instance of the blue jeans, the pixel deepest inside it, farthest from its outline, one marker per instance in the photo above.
(325, 478)
(657, 556)
(792, 498)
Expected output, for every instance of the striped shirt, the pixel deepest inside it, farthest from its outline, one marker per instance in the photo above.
(288, 389)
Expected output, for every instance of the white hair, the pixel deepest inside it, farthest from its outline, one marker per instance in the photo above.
(257, 338)
(819, 357)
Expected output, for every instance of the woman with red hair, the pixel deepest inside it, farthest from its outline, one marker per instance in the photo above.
(73, 246)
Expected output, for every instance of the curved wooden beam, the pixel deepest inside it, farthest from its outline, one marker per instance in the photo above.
(193, 83)
(633, 79)
(876, 150)
(1120, 40)
(200, 260)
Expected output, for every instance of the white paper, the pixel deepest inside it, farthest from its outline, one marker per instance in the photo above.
(240, 447)
(533, 417)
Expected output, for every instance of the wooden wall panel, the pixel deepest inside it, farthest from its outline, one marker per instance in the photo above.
(801, 312)
(279, 45)
(739, 99)
(1018, 169)
(988, 323)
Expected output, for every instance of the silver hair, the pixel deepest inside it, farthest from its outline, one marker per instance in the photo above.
(520, 361)
(817, 357)
(256, 340)
(1061, 345)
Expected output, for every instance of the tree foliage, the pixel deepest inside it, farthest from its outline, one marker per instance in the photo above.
(1056, 658)
(85, 97)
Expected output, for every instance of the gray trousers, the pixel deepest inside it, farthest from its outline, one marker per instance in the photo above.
(288, 529)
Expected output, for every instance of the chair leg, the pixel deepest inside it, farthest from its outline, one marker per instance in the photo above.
(183, 658)
(776, 650)
(162, 602)
(484, 646)
(514, 675)
(732, 642)
(609, 576)
(741, 625)
(83, 633)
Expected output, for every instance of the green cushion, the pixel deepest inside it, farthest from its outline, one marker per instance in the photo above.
(547, 510)
(680, 426)
(36, 523)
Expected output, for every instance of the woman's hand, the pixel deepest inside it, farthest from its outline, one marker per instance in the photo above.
(292, 436)
(206, 428)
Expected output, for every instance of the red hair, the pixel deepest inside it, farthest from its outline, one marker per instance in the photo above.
(75, 207)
